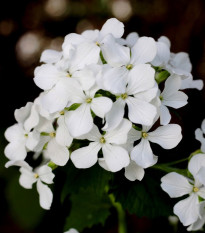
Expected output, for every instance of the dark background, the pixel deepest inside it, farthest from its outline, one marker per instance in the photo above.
(29, 27)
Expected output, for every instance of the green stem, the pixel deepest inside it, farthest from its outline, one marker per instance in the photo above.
(122, 227)
(167, 169)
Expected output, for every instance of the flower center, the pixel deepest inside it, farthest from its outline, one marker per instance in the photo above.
(97, 43)
(124, 96)
(36, 175)
(62, 113)
(102, 140)
(195, 189)
(144, 134)
(52, 134)
(161, 97)
(89, 100)
(69, 75)
(129, 66)
(26, 135)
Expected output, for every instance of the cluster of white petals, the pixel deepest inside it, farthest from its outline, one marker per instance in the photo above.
(191, 210)
(103, 90)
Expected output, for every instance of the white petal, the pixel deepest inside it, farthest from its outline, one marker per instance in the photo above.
(15, 133)
(57, 153)
(15, 151)
(50, 56)
(63, 136)
(115, 54)
(19, 163)
(93, 135)
(27, 178)
(85, 54)
(101, 106)
(131, 39)
(115, 80)
(190, 83)
(114, 27)
(86, 157)
(144, 50)
(32, 119)
(119, 134)
(176, 185)
(163, 54)
(195, 163)
(142, 154)
(134, 135)
(45, 174)
(115, 115)
(187, 210)
(165, 40)
(201, 220)
(176, 100)
(91, 35)
(203, 125)
(134, 172)
(45, 195)
(181, 61)
(167, 136)
(116, 157)
(140, 112)
(32, 140)
(22, 113)
(165, 116)
(141, 78)
(71, 231)
(148, 95)
(86, 78)
(46, 76)
(103, 164)
(80, 121)
(57, 98)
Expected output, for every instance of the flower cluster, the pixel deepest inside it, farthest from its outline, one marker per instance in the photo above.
(101, 102)
(191, 210)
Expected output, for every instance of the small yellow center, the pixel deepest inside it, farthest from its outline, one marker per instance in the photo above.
(144, 134)
(68, 75)
(26, 135)
(102, 140)
(124, 96)
(161, 97)
(195, 189)
(52, 134)
(97, 43)
(36, 175)
(129, 67)
(88, 100)
(62, 113)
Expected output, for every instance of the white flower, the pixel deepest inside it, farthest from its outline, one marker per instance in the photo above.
(88, 44)
(199, 135)
(72, 230)
(40, 175)
(80, 121)
(118, 57)
(54, 143)
(140, 90)
(188, 210)
(167, 137)
(116, 157)
(171, 97)
(20, 142)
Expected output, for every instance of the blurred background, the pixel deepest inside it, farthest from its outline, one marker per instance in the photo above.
(27, 27)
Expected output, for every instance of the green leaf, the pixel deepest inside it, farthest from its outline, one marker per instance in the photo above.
(95, 178)
(143, 198)
(87, 209)
(24, 204)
